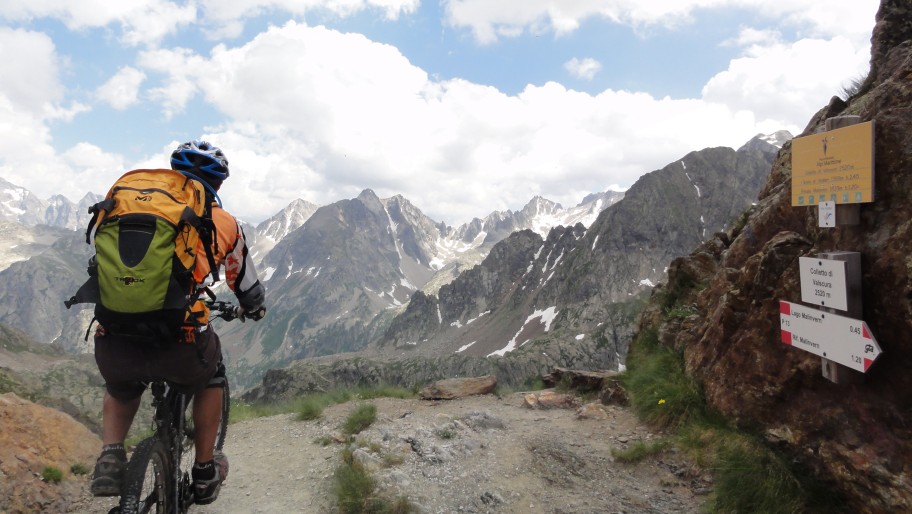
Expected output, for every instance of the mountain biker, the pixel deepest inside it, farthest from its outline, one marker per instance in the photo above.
(127, 362)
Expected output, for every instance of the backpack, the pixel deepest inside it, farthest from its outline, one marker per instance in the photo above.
(146, 233)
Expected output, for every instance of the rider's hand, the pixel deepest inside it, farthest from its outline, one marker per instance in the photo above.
(255, 315)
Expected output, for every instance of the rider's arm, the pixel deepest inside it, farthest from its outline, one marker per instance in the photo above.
(240, 272)
(241, 275)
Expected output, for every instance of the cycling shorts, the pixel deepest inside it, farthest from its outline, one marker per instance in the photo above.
(128, 364)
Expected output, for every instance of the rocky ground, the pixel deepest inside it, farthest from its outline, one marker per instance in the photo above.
(480, 454)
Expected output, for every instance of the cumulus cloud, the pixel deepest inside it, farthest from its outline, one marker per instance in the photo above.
(583, 68)
(29, 67)
(777, 79)
(321, 114)
(141, 21)
(227, 18)
(314, 113)
(122, 90)
(489, 21)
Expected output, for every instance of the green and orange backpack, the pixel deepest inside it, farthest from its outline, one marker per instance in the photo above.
(146, 233)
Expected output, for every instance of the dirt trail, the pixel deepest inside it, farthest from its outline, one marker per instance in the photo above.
(480, 454)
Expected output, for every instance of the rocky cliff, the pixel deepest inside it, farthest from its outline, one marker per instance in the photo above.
(855, 435)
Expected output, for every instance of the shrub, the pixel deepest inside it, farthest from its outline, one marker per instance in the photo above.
(79, 469)
(353, 487)
(310, 408)
(51, 474)
(361, 418)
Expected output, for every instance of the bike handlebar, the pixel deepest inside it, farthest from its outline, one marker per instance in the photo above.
(228, 311)
(225, 310)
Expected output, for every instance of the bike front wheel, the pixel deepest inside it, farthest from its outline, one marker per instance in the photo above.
(147, 488)
(223, 424)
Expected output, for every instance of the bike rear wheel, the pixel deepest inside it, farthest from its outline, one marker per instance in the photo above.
(147, 485)
(188, 451)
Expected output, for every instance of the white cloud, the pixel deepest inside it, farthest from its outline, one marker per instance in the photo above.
(180, 67)
(141, 21)
(227, 17)
(319, 114)
(777, 80)
(583, 68)
(29, 67)
(122, 90)
(488, 21)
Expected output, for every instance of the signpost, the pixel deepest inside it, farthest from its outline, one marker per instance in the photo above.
(835, 166)
(834, 171)
(843, 340)
(832, 280)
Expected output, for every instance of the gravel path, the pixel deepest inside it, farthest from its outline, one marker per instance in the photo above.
(480, 454)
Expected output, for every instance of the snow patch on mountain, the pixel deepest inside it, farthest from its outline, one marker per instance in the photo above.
(546, 317)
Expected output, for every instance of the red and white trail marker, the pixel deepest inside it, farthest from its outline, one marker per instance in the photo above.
(843, 340)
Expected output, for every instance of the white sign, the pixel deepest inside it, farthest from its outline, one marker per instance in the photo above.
(842, 340)
(827, 214)
(823, 282)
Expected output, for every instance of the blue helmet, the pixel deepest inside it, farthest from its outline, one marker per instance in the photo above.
(202, 160)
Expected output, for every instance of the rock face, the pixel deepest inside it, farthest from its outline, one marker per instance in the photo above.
(855, 435)
(33, 437)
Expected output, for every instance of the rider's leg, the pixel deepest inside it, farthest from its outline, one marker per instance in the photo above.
(211, 466)
(207, 414)
(117, 416)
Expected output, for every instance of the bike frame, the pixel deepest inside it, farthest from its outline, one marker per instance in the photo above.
(171, 428)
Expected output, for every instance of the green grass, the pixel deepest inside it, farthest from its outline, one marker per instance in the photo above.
(79, 469)
(660, 391)
(310, 406)
(356, 491)
(748, 476)
(51, 474)
(310, 409)
(641, 450)
(362, 417)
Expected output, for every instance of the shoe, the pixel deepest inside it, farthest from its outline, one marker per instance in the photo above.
(109, 473)
(208, 478)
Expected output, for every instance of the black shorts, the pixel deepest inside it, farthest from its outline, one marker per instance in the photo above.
(127, 364)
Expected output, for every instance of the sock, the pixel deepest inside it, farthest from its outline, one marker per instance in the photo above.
(117, 449)
(204, 470)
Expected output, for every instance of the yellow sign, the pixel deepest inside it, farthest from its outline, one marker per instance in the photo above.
(834, 166)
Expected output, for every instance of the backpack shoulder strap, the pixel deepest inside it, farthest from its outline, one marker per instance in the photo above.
(206, 230)
(105, 205)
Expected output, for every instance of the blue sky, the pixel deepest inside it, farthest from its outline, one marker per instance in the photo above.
(462, 106)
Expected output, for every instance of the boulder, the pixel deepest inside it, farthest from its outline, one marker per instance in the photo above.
(550, 400)
(578, 380)
(452, 388)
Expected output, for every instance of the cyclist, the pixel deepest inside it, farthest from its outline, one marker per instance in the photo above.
(127, 362)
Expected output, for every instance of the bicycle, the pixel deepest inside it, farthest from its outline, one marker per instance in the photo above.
(157, 478)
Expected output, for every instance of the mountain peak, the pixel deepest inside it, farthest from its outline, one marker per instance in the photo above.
(768, 142)
(368, 194)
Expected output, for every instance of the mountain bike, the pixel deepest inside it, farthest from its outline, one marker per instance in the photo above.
(157, 478)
